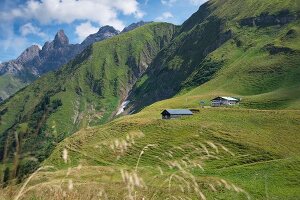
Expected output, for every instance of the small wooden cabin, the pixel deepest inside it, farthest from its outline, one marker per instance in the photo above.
(175, 113)
(224, 101)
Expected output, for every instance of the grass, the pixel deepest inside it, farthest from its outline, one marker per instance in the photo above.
(9, 85)
(244, 154)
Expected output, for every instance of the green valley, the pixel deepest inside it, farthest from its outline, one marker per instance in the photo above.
(61, 136)
(85, 92)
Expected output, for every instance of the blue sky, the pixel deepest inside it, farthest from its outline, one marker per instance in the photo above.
(27, 22)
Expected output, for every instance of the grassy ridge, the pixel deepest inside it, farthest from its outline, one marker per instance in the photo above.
(213, 49)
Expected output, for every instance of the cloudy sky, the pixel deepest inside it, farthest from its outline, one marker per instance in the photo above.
(27, 22)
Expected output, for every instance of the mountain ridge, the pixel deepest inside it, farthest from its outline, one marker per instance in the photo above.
(34, 62)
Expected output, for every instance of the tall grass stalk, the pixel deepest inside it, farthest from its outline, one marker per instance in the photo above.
(20, 193)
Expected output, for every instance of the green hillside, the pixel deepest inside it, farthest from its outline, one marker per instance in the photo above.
(220, 43)
(219, 153)
(241, 48)
(85, 92)
(10, 85)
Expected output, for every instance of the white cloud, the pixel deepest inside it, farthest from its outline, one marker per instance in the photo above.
(197, 2)
(85, 29)
(165, 16)
(14, 44)
(29, 29)
(168, 2)
(172, 2)
(104, 12)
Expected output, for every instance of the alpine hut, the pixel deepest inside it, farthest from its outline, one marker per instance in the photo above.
(175, 113)
(224, 101)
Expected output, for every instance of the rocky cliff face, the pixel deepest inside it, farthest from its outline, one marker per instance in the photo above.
(265, 19)
(38, 61)
(15, 66)
(29, 54)
(134, 26)
(54, 54)
(103, 33)
(60, 39)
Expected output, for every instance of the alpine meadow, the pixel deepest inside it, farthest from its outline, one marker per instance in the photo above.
(209, 109)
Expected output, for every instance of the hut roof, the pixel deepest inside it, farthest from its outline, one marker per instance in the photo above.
(177, 112)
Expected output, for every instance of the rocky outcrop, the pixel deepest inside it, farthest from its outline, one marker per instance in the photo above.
(272, 49)
(36, 61)
(104, 32)
(54, 54)
(134, 26)
(266, 19)
(29, 54)
(15, 66)
(60, 39)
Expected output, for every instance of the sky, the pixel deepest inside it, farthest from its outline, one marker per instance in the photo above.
(27, 22)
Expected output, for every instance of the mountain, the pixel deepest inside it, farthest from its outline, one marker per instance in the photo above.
(103, 33)
(239, 48)
(34, 62)
(194, 57)
(85, 92)
(54, 54)
(134, 26)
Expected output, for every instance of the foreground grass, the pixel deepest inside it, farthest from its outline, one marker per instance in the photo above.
(226, 153)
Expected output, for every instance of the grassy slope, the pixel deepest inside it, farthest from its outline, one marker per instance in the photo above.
(9, 84)
(264, 81)
(87, 91)
(242, 66)
(248, 149)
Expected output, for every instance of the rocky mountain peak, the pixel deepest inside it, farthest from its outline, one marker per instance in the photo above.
(107, 28)
(103, 33)
(134, 26)
(46, 45)
(29, 54)
(60, 39)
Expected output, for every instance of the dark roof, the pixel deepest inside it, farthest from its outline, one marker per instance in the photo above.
(177, 112)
